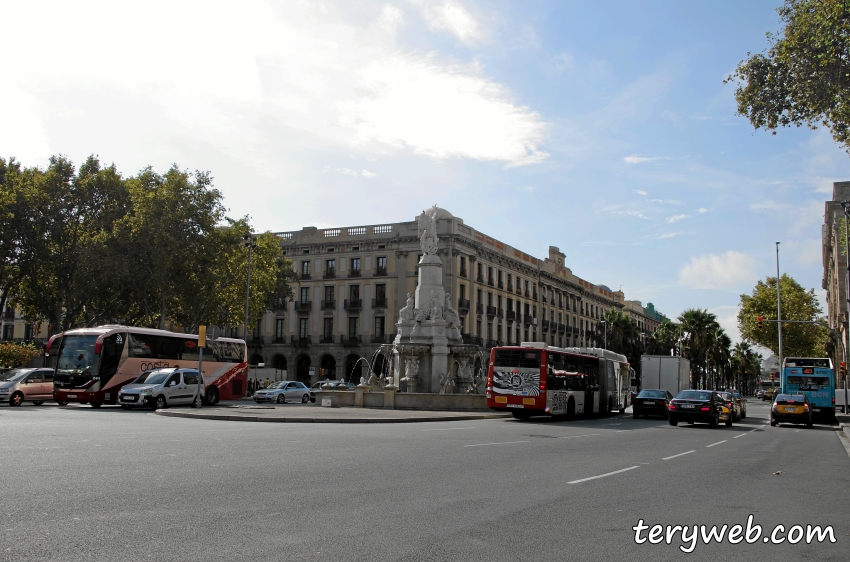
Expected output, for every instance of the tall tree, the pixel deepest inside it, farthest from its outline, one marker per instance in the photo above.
(699, 330)
(666, 338)
(802, 340)
(621, 335)
(804, 77)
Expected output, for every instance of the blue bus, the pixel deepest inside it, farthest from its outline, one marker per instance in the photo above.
(813, 377)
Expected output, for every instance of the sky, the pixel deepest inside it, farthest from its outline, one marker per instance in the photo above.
(603, 128)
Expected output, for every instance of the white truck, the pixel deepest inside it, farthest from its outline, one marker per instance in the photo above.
(665, 372)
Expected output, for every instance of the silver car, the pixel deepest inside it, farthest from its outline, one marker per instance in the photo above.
(282, 392)
(161, 388)
(26, 385)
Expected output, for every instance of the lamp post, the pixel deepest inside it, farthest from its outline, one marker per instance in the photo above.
(248, 240)
(779, 311)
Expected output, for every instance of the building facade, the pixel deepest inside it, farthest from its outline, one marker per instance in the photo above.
(354, 280)
(835, 266)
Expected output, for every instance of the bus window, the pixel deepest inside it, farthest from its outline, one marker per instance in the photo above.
(809, 383)
(517, 358)
(110, 355)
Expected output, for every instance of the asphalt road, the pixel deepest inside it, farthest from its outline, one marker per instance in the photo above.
(85, 484)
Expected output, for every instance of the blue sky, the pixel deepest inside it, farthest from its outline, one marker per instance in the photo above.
(603, 128)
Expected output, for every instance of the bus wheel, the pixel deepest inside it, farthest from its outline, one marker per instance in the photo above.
(571, 409)
(17, 399)
(521, 415)
(96, 404)
(212, 396)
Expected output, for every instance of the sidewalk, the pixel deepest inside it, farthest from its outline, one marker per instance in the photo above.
(246, 411)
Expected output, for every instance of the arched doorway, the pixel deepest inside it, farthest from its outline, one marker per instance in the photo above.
(279, 364)
(302, 369)
(380, 365)
(353, 369)
(256, 359)
(328, 365)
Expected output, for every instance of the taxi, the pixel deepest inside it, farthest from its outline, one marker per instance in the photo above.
(791, 408)
(768, 394)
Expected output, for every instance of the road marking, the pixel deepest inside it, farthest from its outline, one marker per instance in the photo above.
(756, 429)
(679, 455)
(574, 436)
(503, 443)
(449, 428)
(604, 424)
(740, 435)
(713, 444)
(604, 475)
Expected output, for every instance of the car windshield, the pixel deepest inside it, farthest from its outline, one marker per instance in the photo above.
(694, 395)
(652, 394)
(736, 395)
(725, 395)
(15, 375)
(151, 378)
(280, 384)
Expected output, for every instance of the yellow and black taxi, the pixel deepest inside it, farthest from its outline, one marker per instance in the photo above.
(651, 402)
(770, 393)
(704, 406)
(791, 408)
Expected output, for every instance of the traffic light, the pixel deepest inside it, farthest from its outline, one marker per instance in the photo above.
(761, 323)
(772, 377)
(842, 369)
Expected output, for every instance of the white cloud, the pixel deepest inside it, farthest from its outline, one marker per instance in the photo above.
(702, 210)
(727, 317)
(639, 159)
(669, 235)
(450, 16)
(716, 271)
(368, 174)
(391, 18)
(641, 192)
(347, 172)
(677, 218)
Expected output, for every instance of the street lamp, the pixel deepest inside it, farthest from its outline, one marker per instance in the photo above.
(249, 243)
(779, 310)
(604, 323)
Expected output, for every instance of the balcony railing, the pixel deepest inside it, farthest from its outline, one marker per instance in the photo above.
(302, 341)
(468, 338)
(380, 338)
(380, 272)
(511, 315)
(500, 313)
(534, 296)
(303, 306)
(562, 328)
(463, 304)
(327, 339)
(351, 340)
(545, 326)
(379, 302)
(353, 304)
(527, 320)
(257, 340)
(527, 294)
(491, 282)
(500, 285)
(330, 273)
(480, 278)
(280, 339)
(305, 277)
(328, 304)
(354, 273)
(491, 311)
(462, 273)
(479, 308)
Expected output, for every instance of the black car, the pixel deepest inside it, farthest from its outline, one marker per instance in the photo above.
(705, 406)
(791, 408)
(651, 402)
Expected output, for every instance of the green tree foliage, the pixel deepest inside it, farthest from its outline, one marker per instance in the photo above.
(703, 340)
(746, 367)
(802, 340)
(666, 338)
(621, 335)
(804, 76)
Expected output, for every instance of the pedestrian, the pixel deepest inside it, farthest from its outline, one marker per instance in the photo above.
(250, 387)
(267, 382)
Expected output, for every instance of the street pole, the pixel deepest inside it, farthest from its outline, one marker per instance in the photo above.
(249, 242)
(846, 338)
(779, 311)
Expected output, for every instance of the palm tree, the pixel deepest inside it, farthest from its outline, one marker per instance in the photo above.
(667, 338)
(699, 330)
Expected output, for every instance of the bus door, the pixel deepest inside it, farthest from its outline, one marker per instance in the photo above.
(591, 400)
(111, 355)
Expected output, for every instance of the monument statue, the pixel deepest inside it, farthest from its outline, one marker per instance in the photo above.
(436, 311)
(428, 231)
(407, 313)
(450, 315)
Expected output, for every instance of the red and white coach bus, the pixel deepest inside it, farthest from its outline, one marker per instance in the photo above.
(536, 379)
(94, 363)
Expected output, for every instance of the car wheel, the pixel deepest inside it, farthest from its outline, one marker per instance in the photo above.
(160, 403)
(809, 425)
(305, 398)
(38, 402)
(61, 403)
(212, 396)
(125, 406)
(96, 404)
(17, 399)
(199, 401)
(714, 421)
(729, 421)
(281, 399)
(673, 422)
(635, 415)
(773, 423)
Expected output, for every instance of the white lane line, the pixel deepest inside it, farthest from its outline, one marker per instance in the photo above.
(756, 429)
(739, 436)
(604, 475)
(448, 428)
(503, 443)
(679, 455)
(713, 444)
(604, 424)
(574, 436)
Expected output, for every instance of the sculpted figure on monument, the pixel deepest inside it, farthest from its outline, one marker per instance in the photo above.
(450, 315)
(407, 313)
(436, 311)
(428, 231)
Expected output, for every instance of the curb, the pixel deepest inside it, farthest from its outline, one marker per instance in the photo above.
(281, 419)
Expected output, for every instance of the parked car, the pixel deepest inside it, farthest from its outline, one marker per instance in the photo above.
(26, 385)
(791, 408)
(651, 402)
(742, 402)
(731, 403)
(282, 392)
(160, 388)
(705, 406)
(769, 393)
(331, 385)
(760, 394)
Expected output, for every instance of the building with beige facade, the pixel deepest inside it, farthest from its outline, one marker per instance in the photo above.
(354, 280)
(835, 265)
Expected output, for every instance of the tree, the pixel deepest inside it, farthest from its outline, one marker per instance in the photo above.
(666, 338)
(802, 79)
(17, 355)
(14, 209)
(802, 340)
(699, 328)
(621, 335)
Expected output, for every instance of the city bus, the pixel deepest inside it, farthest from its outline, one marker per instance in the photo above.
(535, 379)
(813, 377)
(92, 364)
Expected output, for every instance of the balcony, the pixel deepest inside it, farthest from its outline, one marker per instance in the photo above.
(463, 305)
(562, 328)
(305, 276)
(491, 343)
(480, 278)
(351, 341)
(491, 282)
(257, 340)
(379, 302)
(354, 273)
(533, 296)
(527, 294)
(380, 338)
(301, 341)
(279, 339)
(491, 311)
(511, 287)
(500, 313)
(328, 304)
(527, 320)
(380, 272)
(511, 315)
(468, 338)
(544, 300)
(479, 308)
(303, 306)
(327, 339)
(545, 327)
(353, 304)
(330, 273)
(462, 273)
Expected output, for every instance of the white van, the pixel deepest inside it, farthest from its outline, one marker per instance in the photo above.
(160, 388)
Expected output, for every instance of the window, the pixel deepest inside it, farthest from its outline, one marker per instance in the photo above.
(352, 326)
(510, 305)
(305, 268)
(258, 328)
(354, 293)
(328, 328)
(302, 328)
(355, 264)
(305, 294)
(380, 291)
(329, 295)
(463, 266)
(279, 328)
(173, 379)
(462, 291)
(478, 328)
(330, 267)
(379, 326)
(382, 265)
(489, 299)
(479, 299)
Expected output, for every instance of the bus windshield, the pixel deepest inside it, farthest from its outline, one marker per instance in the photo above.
(77, 355)
(809, 383)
